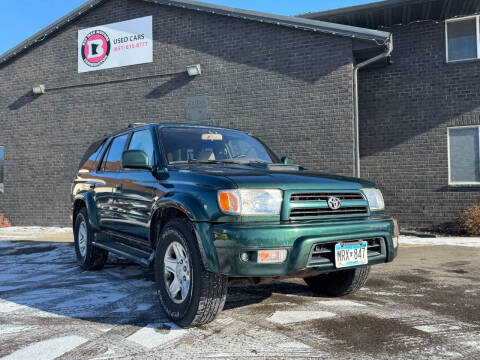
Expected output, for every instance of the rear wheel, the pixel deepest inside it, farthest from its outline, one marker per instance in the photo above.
(189, 294)
(89, 257)
(339, 283)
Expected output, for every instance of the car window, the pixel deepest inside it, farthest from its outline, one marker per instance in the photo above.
(239, 148)
(113, 161)
(89, 159)
(185, 144)
(142, 140)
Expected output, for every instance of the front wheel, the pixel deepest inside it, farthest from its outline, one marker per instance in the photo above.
(89, 257)
(339, 283)
(189, 294)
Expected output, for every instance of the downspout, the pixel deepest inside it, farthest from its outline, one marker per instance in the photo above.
(356, 68)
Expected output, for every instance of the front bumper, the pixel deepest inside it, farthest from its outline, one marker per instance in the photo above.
(231, 240)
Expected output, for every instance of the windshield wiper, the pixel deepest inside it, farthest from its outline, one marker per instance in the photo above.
(193, 161)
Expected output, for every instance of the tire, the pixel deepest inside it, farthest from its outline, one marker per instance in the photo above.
(89, 257)
(202, 299)
(339, 283)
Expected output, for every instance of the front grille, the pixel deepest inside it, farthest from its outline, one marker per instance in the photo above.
(303, 197)
(324, 253)
(315, 205)
(304, 212)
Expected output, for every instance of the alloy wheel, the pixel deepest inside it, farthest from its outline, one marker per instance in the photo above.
(177, 272)
(82, 238)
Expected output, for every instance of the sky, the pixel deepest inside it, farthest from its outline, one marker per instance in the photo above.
(20, 19)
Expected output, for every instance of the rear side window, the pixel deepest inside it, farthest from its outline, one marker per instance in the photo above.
(142, 140)
(113, 160)
(89, 159)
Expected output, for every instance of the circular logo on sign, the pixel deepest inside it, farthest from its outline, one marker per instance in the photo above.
(95, 48)
(334, 203)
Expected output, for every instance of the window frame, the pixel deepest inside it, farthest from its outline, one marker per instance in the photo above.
(461, 183)
(477, 22)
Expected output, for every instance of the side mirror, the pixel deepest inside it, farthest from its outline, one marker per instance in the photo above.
(135, 159)
(287, 161)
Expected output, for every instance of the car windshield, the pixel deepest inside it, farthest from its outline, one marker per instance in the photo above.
(191, 144)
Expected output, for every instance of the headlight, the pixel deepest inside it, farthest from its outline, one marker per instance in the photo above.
(250, 202)
(375, 199)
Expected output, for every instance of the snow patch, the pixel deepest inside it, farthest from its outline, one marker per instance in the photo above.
(12, 329)
(154, 335)
(290, 317)
(342, 303)
(293, 345)
(35, 229)
(433, 329)
(451, 241)
(8, 307)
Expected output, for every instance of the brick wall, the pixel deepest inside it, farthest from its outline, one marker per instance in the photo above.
(405, 110)
(292, 88)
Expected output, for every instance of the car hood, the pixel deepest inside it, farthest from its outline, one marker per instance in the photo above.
(248, 176)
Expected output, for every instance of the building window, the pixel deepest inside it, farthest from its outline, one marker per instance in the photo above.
(2, 161)
(463, 38)
(464, 155)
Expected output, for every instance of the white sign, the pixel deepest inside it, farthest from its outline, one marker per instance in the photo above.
(115, 45)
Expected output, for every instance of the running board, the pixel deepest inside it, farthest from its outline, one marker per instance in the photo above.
(141, 257)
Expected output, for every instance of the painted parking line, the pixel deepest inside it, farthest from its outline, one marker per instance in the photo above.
(341, 303)
(47, 349)
(12, 329)
(290, 317)
(293, 345)
(437, 328)
(8, 306)
(154, 335)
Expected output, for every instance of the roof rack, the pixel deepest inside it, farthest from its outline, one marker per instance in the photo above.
(134, 125)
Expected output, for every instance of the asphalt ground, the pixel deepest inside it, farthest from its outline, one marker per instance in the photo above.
(425, 305)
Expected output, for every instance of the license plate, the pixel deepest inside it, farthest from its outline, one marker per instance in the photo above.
(351, 254)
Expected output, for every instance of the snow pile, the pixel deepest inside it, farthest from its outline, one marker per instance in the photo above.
(35, 229)
(451, 241)
(31, 232)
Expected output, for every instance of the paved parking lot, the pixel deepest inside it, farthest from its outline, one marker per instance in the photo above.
(425, 305)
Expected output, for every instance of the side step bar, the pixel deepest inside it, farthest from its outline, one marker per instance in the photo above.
(138, 256)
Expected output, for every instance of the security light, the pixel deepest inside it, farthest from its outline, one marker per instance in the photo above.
(194, 70)
(39, 90)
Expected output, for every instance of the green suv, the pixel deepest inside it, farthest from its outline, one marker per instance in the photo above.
(205, 205)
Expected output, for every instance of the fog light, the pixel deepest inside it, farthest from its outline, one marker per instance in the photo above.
(271, 256)
(245, 257)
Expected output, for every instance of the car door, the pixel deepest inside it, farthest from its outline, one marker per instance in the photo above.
(136, 196)
(110, 173)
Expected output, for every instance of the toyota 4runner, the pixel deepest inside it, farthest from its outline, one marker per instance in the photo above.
(205, 205)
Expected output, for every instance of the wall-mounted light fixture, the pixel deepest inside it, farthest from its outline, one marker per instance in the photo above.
(194, 70)
(39, 90)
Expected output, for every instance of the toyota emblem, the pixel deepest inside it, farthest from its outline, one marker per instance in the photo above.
(334, 203)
